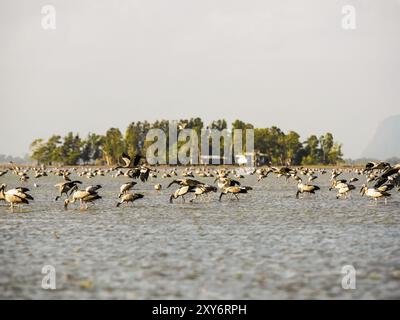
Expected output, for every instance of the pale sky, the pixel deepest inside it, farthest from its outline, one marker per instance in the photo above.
(284, 62)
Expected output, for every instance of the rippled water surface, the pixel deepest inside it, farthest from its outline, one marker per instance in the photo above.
(268, 245)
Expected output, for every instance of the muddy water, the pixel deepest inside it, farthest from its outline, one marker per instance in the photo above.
(268, 245)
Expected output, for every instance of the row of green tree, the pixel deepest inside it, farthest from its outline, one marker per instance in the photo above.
(272, 144)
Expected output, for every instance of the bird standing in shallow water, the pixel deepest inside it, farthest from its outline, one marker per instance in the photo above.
(181, 192)
(130, 197)
(186, 182)
(345, 190)
(305, 188)
(234, 190)
(15, 196)
(201, 190)
(374, 193)
(126, 187)
(84, 197)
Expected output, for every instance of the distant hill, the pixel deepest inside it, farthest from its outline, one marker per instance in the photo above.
(17, 160)
(386, 142)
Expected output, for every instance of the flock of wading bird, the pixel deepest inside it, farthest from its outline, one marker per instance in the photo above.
(380, 178)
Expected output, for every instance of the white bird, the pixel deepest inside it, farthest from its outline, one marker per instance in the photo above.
(126, 187)
(83, 196)
(181, 193)
(93, 189)
(344, 190)
(374, 193)
(306, 188)
(15, 196)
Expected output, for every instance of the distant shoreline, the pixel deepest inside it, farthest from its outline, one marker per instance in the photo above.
(214, 166)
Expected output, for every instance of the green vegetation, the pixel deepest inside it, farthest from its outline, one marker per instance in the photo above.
(272, 144)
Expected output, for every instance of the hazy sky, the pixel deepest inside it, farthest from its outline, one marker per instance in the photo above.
(285, 63)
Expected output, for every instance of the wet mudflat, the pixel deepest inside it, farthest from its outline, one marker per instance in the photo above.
(268, 245)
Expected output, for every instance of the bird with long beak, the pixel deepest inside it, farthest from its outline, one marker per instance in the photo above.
(233, 190)
(126, 187)
(84, 197)
(338, 184)
(374, 193)
(203, 190)
(15, 196)
(130, 197)
(305, 188)
(181, 192)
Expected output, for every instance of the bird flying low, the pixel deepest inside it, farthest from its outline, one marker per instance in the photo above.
(67, 187)
(129, 162)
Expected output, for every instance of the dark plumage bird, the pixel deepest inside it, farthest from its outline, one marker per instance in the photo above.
(144, 173)
(67, 186)
(376, 166)
(186, 182)
(390, 173)
(129, 162)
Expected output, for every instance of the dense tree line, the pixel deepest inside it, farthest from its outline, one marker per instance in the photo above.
(276, 146)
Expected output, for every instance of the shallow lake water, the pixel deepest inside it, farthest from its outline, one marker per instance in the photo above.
(268, 245)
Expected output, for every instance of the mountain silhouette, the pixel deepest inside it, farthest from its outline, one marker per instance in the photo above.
(386, 142)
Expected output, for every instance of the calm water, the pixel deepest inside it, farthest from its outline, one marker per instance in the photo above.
(268, 245)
